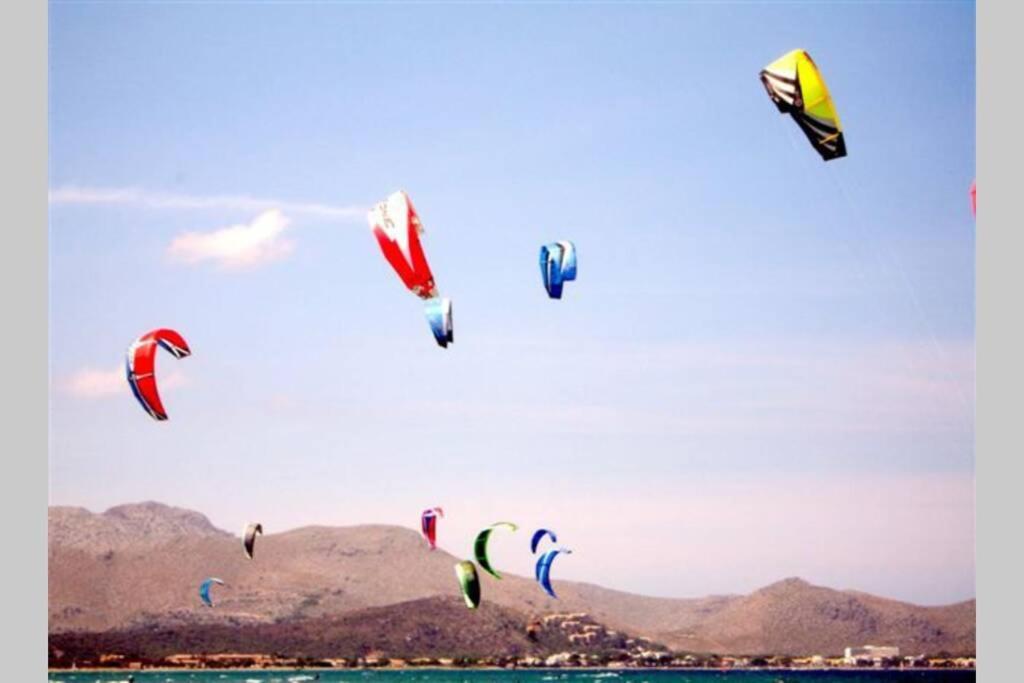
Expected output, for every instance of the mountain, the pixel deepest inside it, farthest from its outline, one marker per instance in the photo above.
(429, 627)
(794, 617)
(125, 525)
(136, 568)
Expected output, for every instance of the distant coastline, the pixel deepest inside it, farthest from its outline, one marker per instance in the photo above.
(678, 663)
(477, 667)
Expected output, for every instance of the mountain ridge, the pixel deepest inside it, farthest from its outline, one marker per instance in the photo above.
(137, 566)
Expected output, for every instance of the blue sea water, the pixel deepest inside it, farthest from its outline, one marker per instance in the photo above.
(535, 676)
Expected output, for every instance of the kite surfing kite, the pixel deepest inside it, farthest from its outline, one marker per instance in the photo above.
(557, 265)
(204, 590)
(397, 227)
(974, 198)
(140, 367)
(439, 317)
(480, 546)
(428, 522)
(469, 582)
(249, 537)
(797, 88)
(538, 535)
(543, 569)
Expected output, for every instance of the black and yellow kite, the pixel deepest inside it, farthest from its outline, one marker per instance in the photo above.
(797, 88)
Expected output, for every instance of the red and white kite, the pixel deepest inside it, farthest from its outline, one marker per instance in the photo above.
(397, 228)
(141, 367)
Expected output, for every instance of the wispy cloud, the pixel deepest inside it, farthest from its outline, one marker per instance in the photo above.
(131, 196)
(245, 245)
(90, 383)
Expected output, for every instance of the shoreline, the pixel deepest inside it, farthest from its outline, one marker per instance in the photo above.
(170, 669)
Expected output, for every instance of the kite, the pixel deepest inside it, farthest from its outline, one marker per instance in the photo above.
(469, 582)
(543, 569)
(249, 537)
(204, 590)
(397, 227)
(480, 546)
(140, 367)
(557, 265)
(439, 317)
(429, 524)
(797, 88)
(540, 534)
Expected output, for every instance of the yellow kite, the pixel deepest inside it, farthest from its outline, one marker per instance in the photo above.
(797, 88)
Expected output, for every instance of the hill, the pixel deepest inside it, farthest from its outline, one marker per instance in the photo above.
(429, 627)
(135, 569)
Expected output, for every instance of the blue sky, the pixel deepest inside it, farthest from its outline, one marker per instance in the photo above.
(765, 367)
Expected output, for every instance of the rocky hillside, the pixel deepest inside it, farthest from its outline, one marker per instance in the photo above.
(794, 617)
(137, 525)
(136, 569)
(429, 627)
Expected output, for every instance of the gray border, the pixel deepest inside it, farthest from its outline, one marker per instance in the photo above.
(24, 277)
(999, 464)
(999, 337)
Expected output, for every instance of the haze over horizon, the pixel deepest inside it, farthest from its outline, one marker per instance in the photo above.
(766, 365)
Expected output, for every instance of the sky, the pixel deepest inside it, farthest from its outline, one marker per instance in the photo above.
(764, 369)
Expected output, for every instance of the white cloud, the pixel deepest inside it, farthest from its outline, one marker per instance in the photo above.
(90, 383)
(130, 196)
(236, 246)
(248, 245)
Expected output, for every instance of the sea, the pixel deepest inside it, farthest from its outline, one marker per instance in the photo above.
(520, 676)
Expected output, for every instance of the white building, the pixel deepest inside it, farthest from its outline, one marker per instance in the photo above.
(869, 654)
